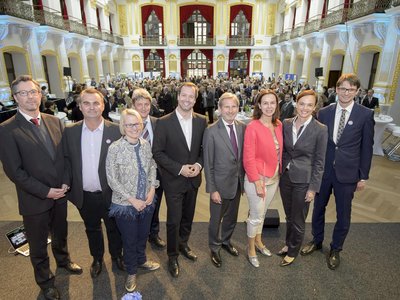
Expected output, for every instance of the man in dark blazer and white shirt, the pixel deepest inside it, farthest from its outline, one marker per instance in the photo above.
(177, 150)
(347, 164)
(32, 157)
(369, 100)
(141, 100)
(85, 148)
(224, 173)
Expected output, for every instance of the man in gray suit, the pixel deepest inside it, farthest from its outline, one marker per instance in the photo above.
(223, 143)
(85, 149)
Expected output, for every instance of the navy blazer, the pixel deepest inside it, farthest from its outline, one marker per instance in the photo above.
(73, 160)
(351, 158)
(170, 151)
(28, 164)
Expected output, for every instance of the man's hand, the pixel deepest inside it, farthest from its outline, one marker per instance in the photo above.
(310, 195)
(360, 185)
(216, 198)
(56, 193)
(195, 170)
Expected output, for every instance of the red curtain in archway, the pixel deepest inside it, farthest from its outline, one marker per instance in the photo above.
(146, 11)
(186, 52)
(206, 11)
(247, 10)
(146, 53)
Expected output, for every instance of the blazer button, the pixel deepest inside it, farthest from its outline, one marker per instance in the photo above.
(336, 148)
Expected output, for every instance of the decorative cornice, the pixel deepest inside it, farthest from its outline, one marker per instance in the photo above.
(68, 41)
(330, 39)
(26, 35)
(343, 37)
(41, 37)
(359, 33)
(380, 31)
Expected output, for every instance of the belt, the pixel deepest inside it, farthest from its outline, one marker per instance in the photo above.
(95, 192)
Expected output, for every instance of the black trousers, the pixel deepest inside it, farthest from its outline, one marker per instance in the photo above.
(38, 227)
(95, 209)
(223, 219)
(296, 210)
(180, 213)
(155, 221)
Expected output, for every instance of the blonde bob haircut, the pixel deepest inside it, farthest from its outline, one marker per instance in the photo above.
(129, 112)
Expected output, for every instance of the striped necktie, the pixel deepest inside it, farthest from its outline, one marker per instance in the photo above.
(145, 133)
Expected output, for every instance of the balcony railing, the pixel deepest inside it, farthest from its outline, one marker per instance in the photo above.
(297, 31)
(240, 41)
(396, 2)
(285, 36)
(50, 17)
(275, 40)
(153, 41)
(313, 25)
(198, 41)
(17, 9)
(335, 16)
(363, 8)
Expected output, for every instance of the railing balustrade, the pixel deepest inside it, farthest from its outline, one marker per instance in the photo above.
(152, 41)
(198, 41)
(313, 25)
(240, 41)
(17, 9)
(297, 31)
(362, 8)
(336, 15)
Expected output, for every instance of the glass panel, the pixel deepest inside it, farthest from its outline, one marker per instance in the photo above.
(240, 27)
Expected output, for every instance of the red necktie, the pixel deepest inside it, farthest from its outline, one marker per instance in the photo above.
(35, 121)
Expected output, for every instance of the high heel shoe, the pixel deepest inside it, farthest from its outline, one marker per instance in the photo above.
(253, 260)
(264, 251)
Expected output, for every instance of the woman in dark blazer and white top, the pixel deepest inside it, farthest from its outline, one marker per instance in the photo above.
(303, 159)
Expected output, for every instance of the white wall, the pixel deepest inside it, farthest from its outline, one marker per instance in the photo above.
(364, 68)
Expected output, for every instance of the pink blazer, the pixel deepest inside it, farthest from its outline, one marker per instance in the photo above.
(259, 153)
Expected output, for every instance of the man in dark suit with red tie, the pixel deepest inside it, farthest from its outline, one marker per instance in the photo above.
(347, 164)
(32, 157)
(177, 149)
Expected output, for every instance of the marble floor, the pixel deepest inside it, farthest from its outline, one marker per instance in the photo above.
(380, 202)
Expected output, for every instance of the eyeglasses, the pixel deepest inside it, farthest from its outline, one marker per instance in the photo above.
(132, 125)
(344, 90)
(26, 93)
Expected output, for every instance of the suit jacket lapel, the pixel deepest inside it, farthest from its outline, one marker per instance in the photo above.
(239, 133)
(28, 130)
(224, 135)
(105, 140)
(288, 134)
(331, 121)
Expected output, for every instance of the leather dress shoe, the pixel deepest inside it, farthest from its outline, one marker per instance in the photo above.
(51, 293)
(149, 265)
(333, 260)
(72, 268)
(310, 248)
(188, 253)
(119, 262)
(230, 249)
(130, 283)
(95, 268)
(282, 253)
(157, 242)
(173, 267)
(216, 259)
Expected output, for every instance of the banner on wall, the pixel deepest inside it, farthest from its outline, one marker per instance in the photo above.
(290, 77)
(257, 75)
(223, 75)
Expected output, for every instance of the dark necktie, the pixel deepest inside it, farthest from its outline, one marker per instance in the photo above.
(35, 121)
(341, 125)
(233, 140)
(145, 133)
(300, 131)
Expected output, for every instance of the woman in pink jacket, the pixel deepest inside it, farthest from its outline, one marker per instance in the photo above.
(262, 157)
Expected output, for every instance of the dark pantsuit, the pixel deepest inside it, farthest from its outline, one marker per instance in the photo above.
(180, 215)
(93, 210)
(53, 221)
(296, 210)
(344, 193)
(221, 232)
(134, 235)
(155, 221)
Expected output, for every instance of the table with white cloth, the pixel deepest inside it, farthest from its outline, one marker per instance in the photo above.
(115, 117)
(61, 115)
(381, 121)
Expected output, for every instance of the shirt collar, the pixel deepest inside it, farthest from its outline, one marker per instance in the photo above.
(180, 118)
(348, 108)
(28, 117)
(226, 123)
(306, 122)
(100, 128)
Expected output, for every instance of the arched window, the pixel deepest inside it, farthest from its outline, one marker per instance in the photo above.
(9, 63)
(153, 26)
(197, 64)
(238, 65)
(154, 62)
(197, 27)
(240, 27)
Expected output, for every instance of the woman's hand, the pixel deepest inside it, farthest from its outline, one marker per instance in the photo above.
(260, 189)
(150, 196)
(138, 204)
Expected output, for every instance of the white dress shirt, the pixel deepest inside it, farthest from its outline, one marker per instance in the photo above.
(187, 127)
(338, 114)
(90, 149)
